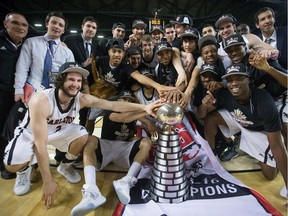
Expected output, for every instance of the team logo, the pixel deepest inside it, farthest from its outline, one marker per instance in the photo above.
(238, 115)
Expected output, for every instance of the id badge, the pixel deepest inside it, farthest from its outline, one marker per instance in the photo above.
(52, 78)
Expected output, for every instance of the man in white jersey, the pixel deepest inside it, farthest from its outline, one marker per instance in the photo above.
(50, 122)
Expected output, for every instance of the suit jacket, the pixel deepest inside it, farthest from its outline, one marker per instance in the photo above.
(76, 44)
(281, 33)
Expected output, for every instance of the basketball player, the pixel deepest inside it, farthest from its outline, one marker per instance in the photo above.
(252, 112)
(50, 122)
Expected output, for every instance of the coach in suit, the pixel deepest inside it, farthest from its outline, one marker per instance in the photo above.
(82, 46)
(275, 36)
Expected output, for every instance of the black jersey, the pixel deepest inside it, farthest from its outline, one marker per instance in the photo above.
(116, 130)
(118, 76)
(258, 114)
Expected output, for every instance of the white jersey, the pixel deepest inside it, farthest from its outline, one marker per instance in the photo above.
(57, 119)
(61, 131)
(143, 99)
(152, 63)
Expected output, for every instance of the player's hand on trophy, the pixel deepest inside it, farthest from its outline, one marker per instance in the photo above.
(152, 108)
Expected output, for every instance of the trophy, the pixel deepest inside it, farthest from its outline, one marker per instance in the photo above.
(168, 180)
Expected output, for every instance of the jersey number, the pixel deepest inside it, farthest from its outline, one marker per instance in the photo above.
(58, 128)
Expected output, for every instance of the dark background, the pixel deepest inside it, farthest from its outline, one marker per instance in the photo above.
(109, 11)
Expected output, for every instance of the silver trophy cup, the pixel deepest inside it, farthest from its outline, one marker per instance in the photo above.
(168, 181)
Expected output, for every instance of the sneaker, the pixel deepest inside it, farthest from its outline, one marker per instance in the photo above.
(92, 199)
(69, 173)
(284, 192)
(35, 175)
(229, 154)
(122, 188)
(22, 183)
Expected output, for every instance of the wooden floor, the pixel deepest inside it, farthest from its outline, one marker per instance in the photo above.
(69, 195)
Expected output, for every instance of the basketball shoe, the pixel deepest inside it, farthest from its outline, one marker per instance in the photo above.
(122, 188)
(69, 173)
(22, 183)
(92, 199)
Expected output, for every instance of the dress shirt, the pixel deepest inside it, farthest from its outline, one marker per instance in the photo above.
(273, 38)
(30, 64)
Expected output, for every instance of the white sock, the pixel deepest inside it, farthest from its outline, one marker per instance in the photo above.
(90, 175)
(134, 169)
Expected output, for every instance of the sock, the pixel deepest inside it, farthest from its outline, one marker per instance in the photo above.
(90, 175)
(69, 158)
(134, 169)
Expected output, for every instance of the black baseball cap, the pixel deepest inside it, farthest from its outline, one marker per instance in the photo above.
(232, 40)
(133, 50)
(139, 22)
(68, 67)
(209, 68)
(191, 32)
(164, 45)
(225, 18)
(182, 19)
(118, 25)
(157, 28)
(234, 69)
(115, 43)
(126, 94)
(207, 40)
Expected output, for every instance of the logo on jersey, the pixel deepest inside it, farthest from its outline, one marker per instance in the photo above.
(238, 115)
(66, 120)
(110, 78)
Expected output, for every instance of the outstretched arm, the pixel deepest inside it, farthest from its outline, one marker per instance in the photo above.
(186, 98)
(147, 81)
(260, 46)
(182, 77)
(118, 106)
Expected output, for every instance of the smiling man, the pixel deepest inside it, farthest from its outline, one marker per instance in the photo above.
(50, 122)
(252, 112)
(32, 66)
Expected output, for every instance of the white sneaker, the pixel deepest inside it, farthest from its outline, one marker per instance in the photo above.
(22, 183)
(122, 188)
(92, 199)
(284, 192)
(69, 173)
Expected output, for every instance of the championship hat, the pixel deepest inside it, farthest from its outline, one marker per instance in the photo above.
(73, 67)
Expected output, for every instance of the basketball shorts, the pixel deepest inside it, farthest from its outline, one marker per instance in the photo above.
(254, 143)
(21, 148)
(281, 104)
(115, 151)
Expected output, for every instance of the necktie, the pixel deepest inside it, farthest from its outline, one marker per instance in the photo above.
(47, 64)
(87, 50)
(268, 40)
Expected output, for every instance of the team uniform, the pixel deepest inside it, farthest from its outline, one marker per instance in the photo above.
(61, 131)
(116, 76)
(115, 143)
(166, 75)
(253, 119)
(152, 63)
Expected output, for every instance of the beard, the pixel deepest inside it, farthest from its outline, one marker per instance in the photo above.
(66, 92)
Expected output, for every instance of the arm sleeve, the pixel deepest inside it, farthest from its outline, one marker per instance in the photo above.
(22, 67)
